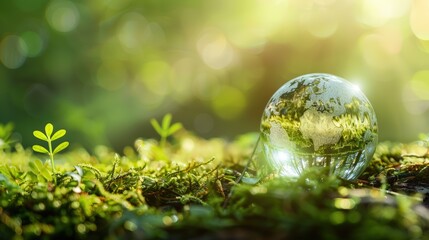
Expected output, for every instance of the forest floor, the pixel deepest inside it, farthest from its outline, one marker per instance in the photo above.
(178, 190)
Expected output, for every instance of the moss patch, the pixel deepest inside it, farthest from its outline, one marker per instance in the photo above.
(178, 192)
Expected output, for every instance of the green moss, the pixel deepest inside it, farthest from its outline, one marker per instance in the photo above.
(149, 192)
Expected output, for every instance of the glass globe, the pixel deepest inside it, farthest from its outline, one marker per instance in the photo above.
(319, 120)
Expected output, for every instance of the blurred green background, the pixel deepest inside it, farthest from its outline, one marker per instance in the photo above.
(103, 68)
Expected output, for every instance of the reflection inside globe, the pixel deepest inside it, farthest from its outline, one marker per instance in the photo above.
(319, 120)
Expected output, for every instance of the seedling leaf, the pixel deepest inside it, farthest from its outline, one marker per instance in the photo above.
(61, 147)
(39, 164)
(33, 166)
(49, 128)
(46, 174)
(174, 128)
(166, 121)
(44, 170)
(40, 135)
(40, 149)
(156, 126)
(60, 133)
(39, 169)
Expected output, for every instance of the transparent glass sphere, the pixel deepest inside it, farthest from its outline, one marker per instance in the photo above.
(319, 120)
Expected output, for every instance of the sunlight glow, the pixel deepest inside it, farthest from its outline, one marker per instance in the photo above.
(419, 19)
(62, 15)
(321, 22)
(282, 159)
(133, 32)
(377, 13)
(356, 87)
(215, 50)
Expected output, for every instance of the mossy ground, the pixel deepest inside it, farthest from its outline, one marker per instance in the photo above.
(178, 192)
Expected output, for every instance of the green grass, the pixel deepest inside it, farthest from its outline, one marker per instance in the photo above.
(177, 191)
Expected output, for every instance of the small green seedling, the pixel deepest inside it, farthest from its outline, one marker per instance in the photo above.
(49, 137)
(165, 129)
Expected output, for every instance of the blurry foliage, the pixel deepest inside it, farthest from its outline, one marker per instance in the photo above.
(177, 192)
(6, 131)
(103, 68)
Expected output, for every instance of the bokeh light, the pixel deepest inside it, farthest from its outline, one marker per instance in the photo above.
(378, 13)
(62, 15)
(320, 22)
(13, 51)
(103, 69)
(420, 84)
(419, 19)
(215, 50)
(32, 43)
(133, 32)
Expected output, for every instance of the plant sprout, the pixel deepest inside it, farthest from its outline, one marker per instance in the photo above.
(49, 137)
(165, 129)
